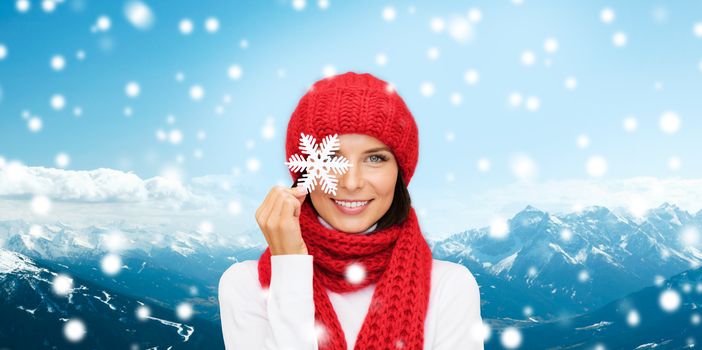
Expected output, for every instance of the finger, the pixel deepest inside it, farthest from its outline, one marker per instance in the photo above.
(297, 207)
(276, 210)
(266, 206)
(298, 191)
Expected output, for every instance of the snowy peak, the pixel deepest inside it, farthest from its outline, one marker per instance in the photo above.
(11, 262)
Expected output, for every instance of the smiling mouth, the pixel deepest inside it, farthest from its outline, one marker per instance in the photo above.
(350, 207)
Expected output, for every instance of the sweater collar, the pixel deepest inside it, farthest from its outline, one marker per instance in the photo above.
(327, 225)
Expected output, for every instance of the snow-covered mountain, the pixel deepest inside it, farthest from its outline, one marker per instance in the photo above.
(558, 265)
(34, 315)
(663, 316)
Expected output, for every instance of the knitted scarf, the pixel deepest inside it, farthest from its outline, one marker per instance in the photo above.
(397, 258)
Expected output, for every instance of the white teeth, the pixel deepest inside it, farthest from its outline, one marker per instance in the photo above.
(351, 204)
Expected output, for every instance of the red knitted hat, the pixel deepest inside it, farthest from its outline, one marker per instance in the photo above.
(353, 103)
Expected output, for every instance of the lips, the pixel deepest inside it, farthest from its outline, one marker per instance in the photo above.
(350, 211)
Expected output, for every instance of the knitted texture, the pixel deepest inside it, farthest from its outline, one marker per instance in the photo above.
(353, 103)
(397, 258)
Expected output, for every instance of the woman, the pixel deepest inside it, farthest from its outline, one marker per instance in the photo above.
(350, 270)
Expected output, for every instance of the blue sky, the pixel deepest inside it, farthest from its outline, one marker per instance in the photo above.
(281, 50)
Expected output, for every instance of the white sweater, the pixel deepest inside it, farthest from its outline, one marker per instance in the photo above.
(282, 317)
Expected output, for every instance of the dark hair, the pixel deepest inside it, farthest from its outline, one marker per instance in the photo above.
(399, 209)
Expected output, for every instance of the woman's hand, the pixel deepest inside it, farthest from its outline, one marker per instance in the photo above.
(279, 220)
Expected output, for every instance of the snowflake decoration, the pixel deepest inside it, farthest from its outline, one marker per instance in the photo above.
(318, 163)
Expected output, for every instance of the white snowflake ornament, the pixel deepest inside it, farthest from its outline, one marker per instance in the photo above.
(318, 163)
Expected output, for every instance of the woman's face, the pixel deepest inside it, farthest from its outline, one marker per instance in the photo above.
(371, 178)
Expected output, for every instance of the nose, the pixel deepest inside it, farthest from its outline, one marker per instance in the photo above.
(352, 178)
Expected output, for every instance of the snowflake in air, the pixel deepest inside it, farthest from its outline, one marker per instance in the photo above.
(318, 163)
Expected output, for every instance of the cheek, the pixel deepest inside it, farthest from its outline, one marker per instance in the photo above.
(384, 184)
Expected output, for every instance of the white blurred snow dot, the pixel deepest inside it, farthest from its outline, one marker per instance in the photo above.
(80, 55)
(633, 318)
(619, 39)
(475, 15)
(566, 234)
(456, 98)
(212, 25)
(139, 14)
(450, 136)
(630, 124)
(480, 331)
(596, 166)
(22, 6)
(74, 330)
(62, 160)
(433, 53)
(523, 167)
(607, 15)
(381, 59)
(328, 70)
(355, 273)
(511, 338)
(690, 236)
(175, 136)
(461, 30)
(132, 89)
(498, 228)
(674, 163)
(34, 124)
(426, 89)
(40, 204)
(268, 131)
(58, 63)
(583, 276)
(128, 111)
(104, 23)
(583, 141)
(471, 76)
(234, 207)
(3, 51)
(185, 26)
(483, 165)
(58, 102)
(234, 72)
(528, 311)
(299, 5)
(697, 29)
(669, 122)
(669, 300)
(570, 83)
(515, 99)
(111, 264)
(252, 164)
(323, 4)
(48, 5)
(695, 319)
(389, 13)
(205, 227)
(197, 92)
(533, 103)
(551, 45)
(143, 312)
(528, 58)
(437, 24)
(77, 111)
(62, 285)
(184, 311)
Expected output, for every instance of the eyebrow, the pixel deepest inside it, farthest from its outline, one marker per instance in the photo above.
(372, 150)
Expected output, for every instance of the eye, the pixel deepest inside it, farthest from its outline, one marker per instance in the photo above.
(379, 156)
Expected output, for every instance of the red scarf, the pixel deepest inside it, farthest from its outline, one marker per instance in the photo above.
(397, 258)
